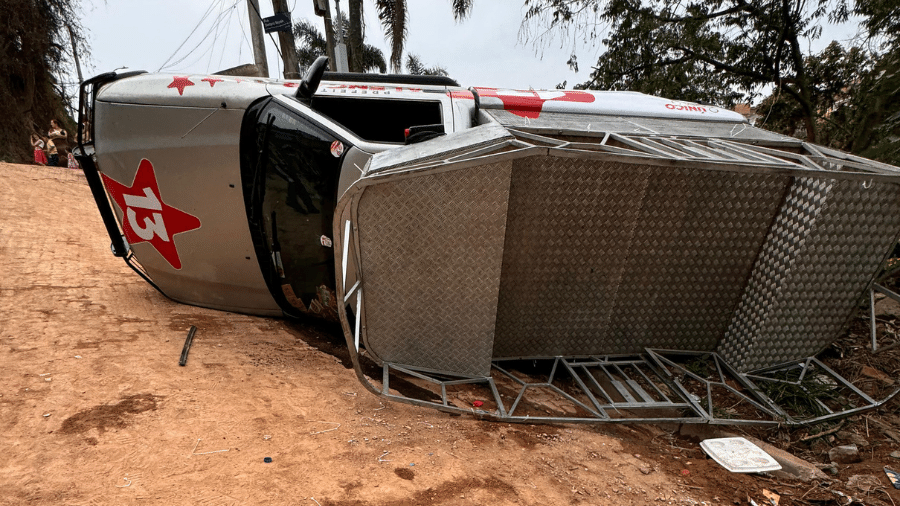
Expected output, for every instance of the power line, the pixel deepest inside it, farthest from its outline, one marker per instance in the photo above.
(211, 48)
(188, 37)
(213, 28)
(243, 36)
(219, 26)
(225, 41)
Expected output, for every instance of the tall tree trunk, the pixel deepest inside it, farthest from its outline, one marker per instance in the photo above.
(356, 35)
(804, 87)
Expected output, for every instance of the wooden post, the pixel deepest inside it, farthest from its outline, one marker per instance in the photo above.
(256, 35)
(329, 34)
(288, 48)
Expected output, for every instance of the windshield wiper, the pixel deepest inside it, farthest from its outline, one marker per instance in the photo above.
(262, 157)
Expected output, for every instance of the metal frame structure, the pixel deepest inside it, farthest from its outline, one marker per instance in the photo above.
(660, 386)
(872, 324)
(656, 386)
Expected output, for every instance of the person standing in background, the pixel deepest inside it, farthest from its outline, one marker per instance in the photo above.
(52, 155)
(59, 140)
(40, 157)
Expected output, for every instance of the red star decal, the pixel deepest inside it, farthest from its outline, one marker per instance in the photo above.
(212, 81)
(181, 83)
(146, 218)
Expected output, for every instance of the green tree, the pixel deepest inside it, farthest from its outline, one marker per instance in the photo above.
(394, 18)
(874, 110)
(311, 45)
(877, 99)
(415, 67)
(856, 90)
(704, 50)
(34, 68)
(835, 75)
(882, 19)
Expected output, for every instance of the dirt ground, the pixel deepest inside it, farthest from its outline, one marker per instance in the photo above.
(95, 410)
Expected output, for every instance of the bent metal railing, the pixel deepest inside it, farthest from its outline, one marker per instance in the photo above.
(656, 387)
(587, 255)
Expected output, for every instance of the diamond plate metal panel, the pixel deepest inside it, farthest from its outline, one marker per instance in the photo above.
(699, 235)
(827, 243)
(431, 250)
(607, 257)
(570, 225)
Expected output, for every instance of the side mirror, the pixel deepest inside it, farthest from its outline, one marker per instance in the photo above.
(310, 82)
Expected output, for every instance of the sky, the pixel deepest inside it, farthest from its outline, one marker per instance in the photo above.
(484, 50)
(205, 36)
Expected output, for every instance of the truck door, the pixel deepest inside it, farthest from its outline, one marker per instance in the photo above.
(290, 167)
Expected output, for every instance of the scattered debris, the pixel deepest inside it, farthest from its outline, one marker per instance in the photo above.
(127, 483)
(830, 468)
(187, 346)
(739, 455)
(893, 476)
(885, 428)
(337, 426)
(267, 460)
(478, 404)
(847, 498)
(792, 467)
(846, 454)
(853, 437)
(875, 374)
(824, 433)
(863, 482)
(204, 453)
(772, 497)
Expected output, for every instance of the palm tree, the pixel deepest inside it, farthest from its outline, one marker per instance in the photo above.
(311, 45)
(414, 66)
(394, 18)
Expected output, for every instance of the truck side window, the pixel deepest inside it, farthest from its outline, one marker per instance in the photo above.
(377, 119)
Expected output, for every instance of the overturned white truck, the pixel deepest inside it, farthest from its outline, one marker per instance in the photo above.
(521, 255)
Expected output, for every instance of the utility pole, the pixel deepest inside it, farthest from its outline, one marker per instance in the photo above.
(288, 49)
(340, 49)
(323, 8)
(256, 35)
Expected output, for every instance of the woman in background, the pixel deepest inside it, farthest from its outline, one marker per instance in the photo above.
(40, 157)
(59, 140)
